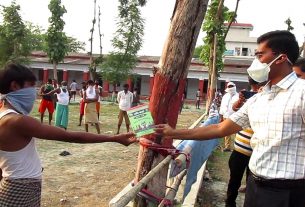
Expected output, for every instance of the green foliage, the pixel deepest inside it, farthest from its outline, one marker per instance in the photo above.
(213, 25)
(18, 39)
(116, 68)
(126, 42)
(73, 45)
(14, 45)
(36, 37)
(56, 38)
(288, 22)
(197, 51)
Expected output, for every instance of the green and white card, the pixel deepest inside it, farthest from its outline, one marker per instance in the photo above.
(141, 120)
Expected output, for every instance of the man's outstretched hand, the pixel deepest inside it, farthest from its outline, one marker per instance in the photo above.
(125, 139)
(164, 130)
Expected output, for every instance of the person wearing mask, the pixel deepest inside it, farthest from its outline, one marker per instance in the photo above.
(46, 101)
(54, 97)
(62, 109)
(20, 165)
(125, 98)
(226, 110)
(299, 68)
(277, 117)
(90, 98)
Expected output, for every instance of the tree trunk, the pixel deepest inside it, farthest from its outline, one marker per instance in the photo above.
(169, 84)
(55, 71)
(212, 77)
(212, 82)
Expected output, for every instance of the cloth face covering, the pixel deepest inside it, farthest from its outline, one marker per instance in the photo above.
(22, 100)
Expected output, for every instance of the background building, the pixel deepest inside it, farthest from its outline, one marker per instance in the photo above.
(238, 57)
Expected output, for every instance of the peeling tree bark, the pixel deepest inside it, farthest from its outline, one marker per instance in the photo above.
(169, 84)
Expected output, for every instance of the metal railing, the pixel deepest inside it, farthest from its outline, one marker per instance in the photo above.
(130, 192)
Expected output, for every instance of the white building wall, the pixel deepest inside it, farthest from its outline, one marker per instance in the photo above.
(239, 38)
(192, 87)
(231, 46)
(240, 35)
(145, 84)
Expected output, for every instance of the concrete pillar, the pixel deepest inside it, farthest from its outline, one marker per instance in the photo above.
(201, 86)
(105, 86)
(65, 75)
(151, 84)
(129, 82)
(45, 75)
(86, 75)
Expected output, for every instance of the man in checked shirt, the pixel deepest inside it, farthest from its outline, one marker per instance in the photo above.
(277, 116)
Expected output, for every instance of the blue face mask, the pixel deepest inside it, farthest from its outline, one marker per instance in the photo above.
(22, 100)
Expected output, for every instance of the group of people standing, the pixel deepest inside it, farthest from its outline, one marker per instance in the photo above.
(57, 98)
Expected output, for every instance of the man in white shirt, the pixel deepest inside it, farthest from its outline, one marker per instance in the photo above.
(73, 88)
(277, 117)
(226, 110)
(124, 99)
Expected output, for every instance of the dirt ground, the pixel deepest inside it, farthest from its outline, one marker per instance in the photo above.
(93, 173)
(213, 191)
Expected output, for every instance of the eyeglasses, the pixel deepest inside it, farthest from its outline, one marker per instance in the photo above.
(260, 54)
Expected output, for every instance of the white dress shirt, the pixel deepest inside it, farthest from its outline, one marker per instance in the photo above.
(226, 104)
(276, 116)
(125, 100)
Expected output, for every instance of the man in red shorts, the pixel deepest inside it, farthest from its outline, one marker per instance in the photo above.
(46, 101)
(98, 103)
(82, 103)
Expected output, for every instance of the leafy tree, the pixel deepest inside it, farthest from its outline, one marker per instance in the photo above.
(197, 51)
(213, 26)
(214, 41)
(37, 40)
(36, 37)
(13, 36)
(126, 42)
(18, 39)
(56, 38)
(73, 45)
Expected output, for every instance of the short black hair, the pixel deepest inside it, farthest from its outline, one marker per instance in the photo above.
(281, 41)
(49, 81)
(14, 72)
(90, 82)
(300, 63)
(126, 85)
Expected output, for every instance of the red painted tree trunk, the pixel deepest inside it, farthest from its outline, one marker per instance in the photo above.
(169, 84)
